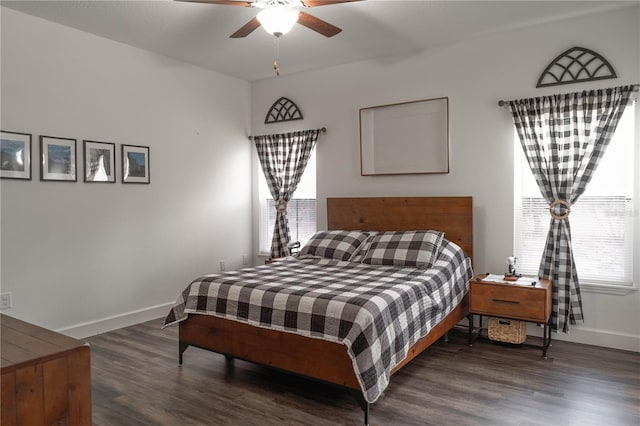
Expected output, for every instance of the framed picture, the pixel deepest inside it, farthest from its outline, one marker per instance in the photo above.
(15, 152)
(405, 138)
(135, 164)
(99, 161)
(58, 159)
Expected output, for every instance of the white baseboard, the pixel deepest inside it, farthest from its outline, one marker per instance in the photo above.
(589, 336)
(91, 328)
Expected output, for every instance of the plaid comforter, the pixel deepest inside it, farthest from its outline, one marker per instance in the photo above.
(377, 312)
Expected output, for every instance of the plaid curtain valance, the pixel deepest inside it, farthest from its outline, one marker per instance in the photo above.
(563, 138)
(283, 158)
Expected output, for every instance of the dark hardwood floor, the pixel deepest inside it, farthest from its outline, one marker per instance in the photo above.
(136, 380)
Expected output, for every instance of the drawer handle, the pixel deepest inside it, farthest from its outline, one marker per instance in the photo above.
(506, 301)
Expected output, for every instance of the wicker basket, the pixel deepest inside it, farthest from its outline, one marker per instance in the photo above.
(509, 331)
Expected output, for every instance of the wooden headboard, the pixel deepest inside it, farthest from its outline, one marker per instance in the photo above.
(453, 215)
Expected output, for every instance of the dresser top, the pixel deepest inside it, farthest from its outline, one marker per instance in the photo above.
(23, 343)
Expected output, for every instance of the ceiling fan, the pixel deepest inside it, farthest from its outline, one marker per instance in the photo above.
(279, 16)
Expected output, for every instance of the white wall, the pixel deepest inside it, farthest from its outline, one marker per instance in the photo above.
(85, 257)
(474, 74)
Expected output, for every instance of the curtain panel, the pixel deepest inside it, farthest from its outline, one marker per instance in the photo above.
(283, 158)
(563, 138)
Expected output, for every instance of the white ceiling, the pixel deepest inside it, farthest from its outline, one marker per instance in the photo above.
(199, 33)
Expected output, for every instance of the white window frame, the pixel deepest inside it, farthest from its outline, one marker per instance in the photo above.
(589, 286)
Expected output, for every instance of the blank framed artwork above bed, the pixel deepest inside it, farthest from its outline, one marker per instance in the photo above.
(405, 138)
(327, 360)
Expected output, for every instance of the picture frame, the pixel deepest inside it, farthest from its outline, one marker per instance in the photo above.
(99, 160)
(15, 155)
(58, 159)
(135, 164)
(405, 138)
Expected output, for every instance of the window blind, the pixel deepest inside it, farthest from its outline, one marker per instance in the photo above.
(602, 237)
(301, 213)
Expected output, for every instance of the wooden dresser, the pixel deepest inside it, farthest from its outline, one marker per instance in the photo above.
(46, 376)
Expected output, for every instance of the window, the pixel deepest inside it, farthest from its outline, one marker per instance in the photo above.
(302, 219)
(602, 220)
(301, 210)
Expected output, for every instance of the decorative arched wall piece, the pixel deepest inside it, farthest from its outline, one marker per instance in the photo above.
(283, 110)
(576, 65)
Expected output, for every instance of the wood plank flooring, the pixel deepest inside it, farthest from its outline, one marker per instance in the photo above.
(136, 380)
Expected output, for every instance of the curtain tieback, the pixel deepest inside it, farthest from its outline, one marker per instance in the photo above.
(281, 205)
(560, 216)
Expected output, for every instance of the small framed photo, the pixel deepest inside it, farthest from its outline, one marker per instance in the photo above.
(15, 155)
(99, 161)
(58, 159)
(135, 164)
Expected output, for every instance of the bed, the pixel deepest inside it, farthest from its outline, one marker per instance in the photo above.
(315, 353)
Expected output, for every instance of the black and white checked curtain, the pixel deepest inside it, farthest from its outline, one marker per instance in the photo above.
(563, 138)
(283, 158)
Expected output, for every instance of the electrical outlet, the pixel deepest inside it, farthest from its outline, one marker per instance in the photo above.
(245, 259)
(223, 267)
(5, 301)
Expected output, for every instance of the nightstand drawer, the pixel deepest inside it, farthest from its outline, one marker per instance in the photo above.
(510, 301)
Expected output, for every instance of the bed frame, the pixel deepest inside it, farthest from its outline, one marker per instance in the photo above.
(324, 360)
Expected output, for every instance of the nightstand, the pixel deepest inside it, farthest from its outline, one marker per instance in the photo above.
(529, 300)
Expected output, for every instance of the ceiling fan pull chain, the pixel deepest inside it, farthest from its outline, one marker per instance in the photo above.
(277, 55)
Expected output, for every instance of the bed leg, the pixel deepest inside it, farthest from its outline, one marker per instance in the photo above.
(181, 348)
(446, 337)
(364, 405)
(228, 364)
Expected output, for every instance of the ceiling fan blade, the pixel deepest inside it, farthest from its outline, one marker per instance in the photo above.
(316, 3)
(318, 25)
(246, 29)
(223, 2)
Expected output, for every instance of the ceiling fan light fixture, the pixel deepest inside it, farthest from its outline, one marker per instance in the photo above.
(278, 20)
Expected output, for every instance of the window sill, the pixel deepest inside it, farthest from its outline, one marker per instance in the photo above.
(617, 290)
(596, 287)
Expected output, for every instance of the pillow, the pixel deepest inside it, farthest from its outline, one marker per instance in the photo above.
(404, 248)
(358, 256)
(338, 245)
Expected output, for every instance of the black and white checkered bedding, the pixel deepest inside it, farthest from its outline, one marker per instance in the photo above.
(404, 248)
(377, 312)
(338, 245)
